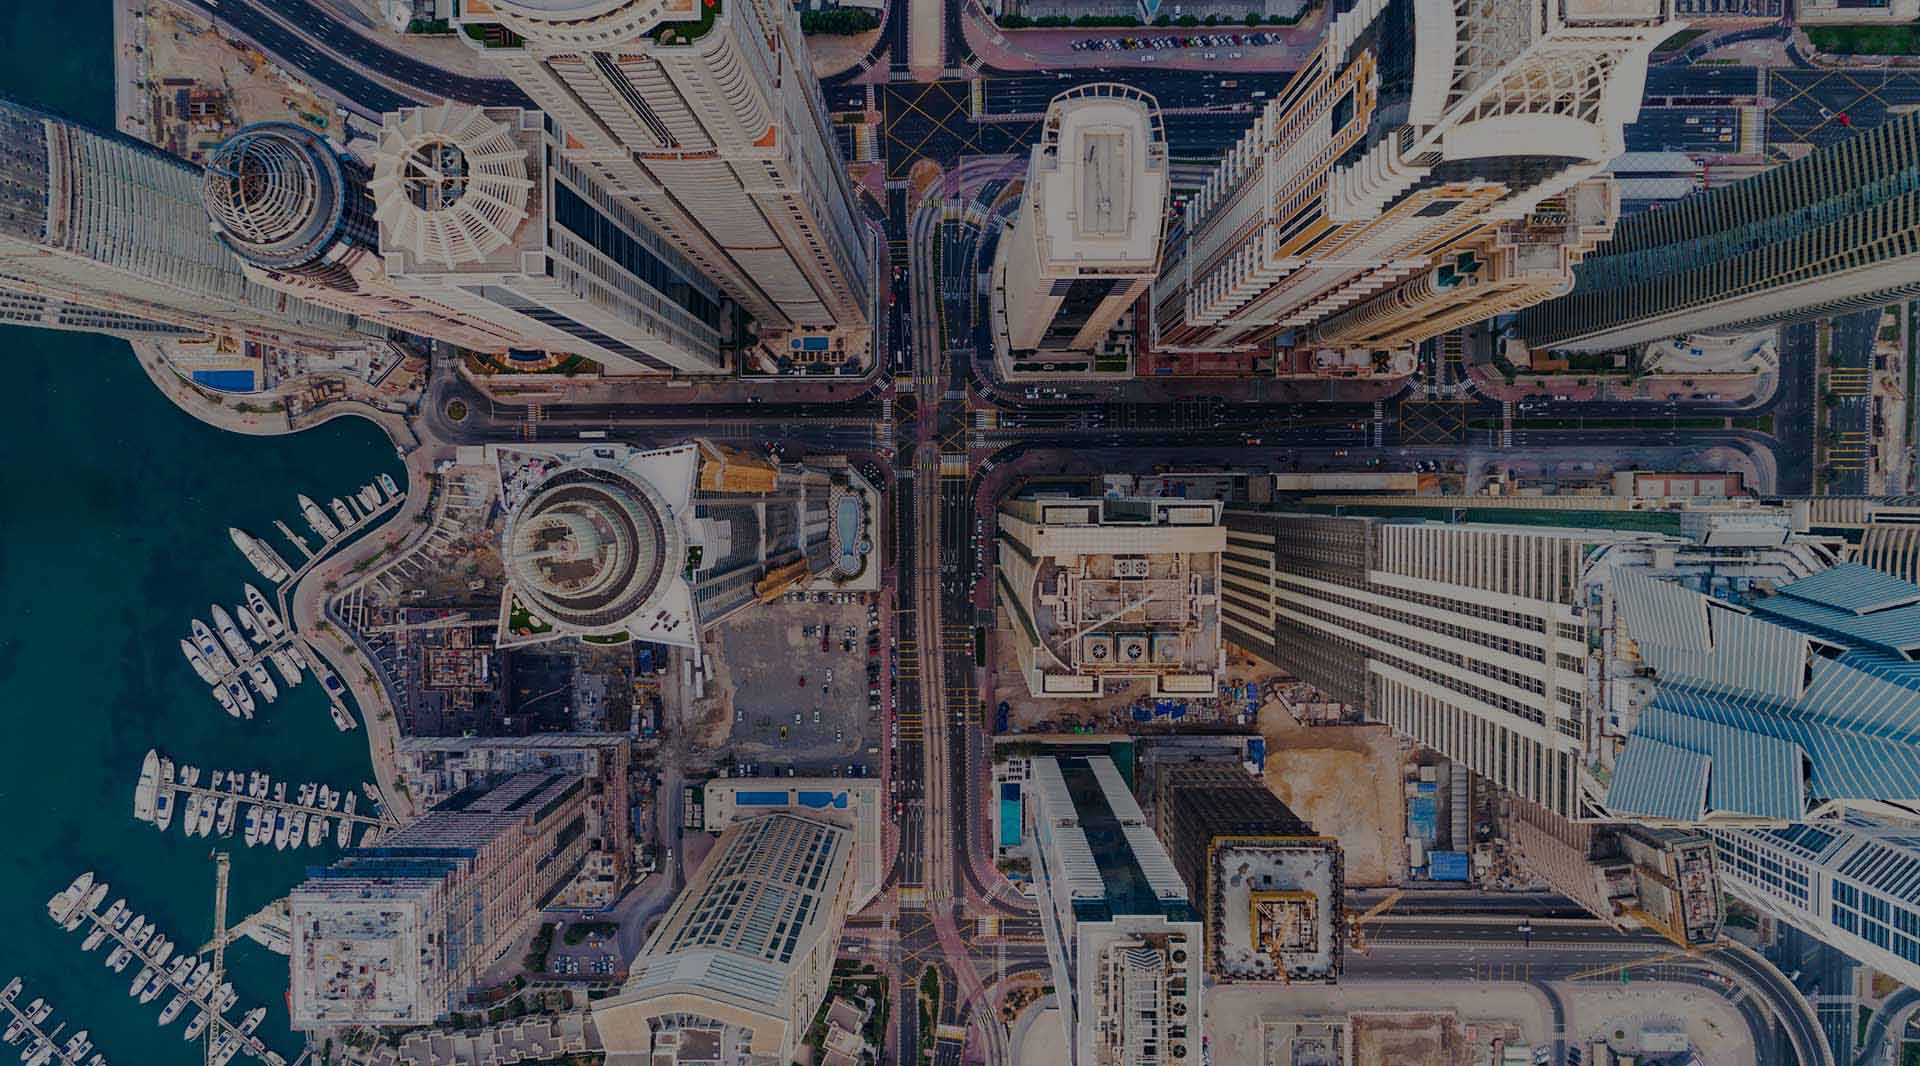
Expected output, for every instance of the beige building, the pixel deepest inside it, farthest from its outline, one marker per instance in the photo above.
(396, 934)
(1096, 590)
(1087, 243)
(740, 964)
(460, 229)
(1431, 166)
(1635, 877)
(704, 119)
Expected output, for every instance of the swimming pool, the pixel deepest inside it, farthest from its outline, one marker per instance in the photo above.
(1009, 815)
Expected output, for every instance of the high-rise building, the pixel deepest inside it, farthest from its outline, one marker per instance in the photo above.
(1087, 243)
(436, 768)
(99, 231)
(1602, 674)
(1832, 231)
(1122, 935)
(737, 969)
(1855, 885)
(1100, 589)
(702, 118)
(462, 230)
(395, 934)
(1635, 877)
(1425, 169)
(1269, 887)
(607, 540)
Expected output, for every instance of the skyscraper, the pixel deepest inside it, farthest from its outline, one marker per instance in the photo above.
(1832, 231)
(1097, 590)
(1087, 243)
(704, 120)
(1270, 888)
(100, 231)
(1854, 885)
(1122, 934)
(462, 231)
(1601, 674)
(736, 970)
(1632, 876)
(1417, 174)
(394, 934)
(609, 540)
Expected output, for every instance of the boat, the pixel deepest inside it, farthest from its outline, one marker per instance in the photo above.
(284, 663)
(191, 817)
(298, 656)
(160, 950)
(141, 980)
(148, 788)
(173, 1008)
(317, 519)
(209, 647)
(154, 987)
(225, 699)
(198, 662)
(251, 833)
(229, 635)
(117, 914)
(369, 498)
(281, 824)
(118, 958)
(225, 997)
(39, 1054)
(62, 905)
(141, 932)
(197, 978)
(163, 798)
(280, 792)
(260, 555)
(351, 798)
(367, 838)
(14, 1028)
(252, 1019)
(242, 697)
(372, 790)
(392, 487)
(209, 814)
(39, 1011)
(263, 613)
(341, 512)
(78, 1045)
(8, 993)
(263, 681)
(248, 626)
(197, 1026)
(345, 836)
(316, 830)
(341, 719)
(307, 793)
(228, 807)
(94, 939)
(296, 828)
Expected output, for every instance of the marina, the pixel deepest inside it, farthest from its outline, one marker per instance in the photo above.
(195, 982)
(253, 804)
(45, 1048)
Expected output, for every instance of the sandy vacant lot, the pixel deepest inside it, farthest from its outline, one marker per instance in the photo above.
(1345, 780)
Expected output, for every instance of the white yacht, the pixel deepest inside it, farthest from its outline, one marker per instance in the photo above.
(316, 831)
(280, 792)
(345, 836)
(230, 636)
(163, 796)
(39, 1011)
(263, 558)
(149, 786)
(248, 626)
(118, 958)
(78, 1045)
(228, 807)
(198, 662)
(209, 807)
(351, 798)
(285, 664)
(369, 498)
(173, 1008)
(281, 824)
(296, 828)
(197, 978)
(318, 520)
(263, 681)
(94, 939)
(197, 1026)
(264, 613)
(251, 834)
(391, 487)
(67, 900)
(40, 1054)
(141, 980)
(154, 987)
(216, 658)
(341, 512)
(307, 793)
(225, 699)
(298, 655)
(140, 932)
(241, 696)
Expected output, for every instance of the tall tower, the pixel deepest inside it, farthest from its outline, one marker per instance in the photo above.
(99, 231)
(1431, 166)
(703, 117)
(1832, 231)
(1087, 243)
(460, 230)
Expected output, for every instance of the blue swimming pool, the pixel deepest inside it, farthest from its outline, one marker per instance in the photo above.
(848, 518)
(225, 380)
(1009, 815)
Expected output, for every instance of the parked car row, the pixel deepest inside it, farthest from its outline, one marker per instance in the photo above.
(1196, 40)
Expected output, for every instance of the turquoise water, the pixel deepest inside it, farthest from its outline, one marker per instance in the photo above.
(114, 507)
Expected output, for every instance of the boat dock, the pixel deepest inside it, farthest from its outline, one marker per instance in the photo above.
(299, 541)
(201, 996)
(21, 1024)
(266, 805)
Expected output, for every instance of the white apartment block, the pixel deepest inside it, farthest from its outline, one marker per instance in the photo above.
(703, 118)
(1086, 245)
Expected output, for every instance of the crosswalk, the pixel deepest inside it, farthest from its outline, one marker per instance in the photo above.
(1850, 452)
(1379, 422)
(1850, 381)
(1506, 423)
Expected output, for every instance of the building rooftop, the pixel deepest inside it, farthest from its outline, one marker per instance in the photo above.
(359, 952)
(457, 186)
(1100, 169)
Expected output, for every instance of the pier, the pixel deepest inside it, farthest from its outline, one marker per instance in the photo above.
(217, 1020)
(50, 1037)
(330, 684)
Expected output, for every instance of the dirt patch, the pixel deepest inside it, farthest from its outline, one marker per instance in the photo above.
(1412, 1039)
(1345, 781)
(834, 53)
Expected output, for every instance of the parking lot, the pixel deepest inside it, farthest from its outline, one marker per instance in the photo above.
(803, 678)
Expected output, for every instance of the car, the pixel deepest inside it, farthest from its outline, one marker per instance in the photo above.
(783, 732)
(816, 716)
(838, 735)
(829, 675)
(796, 717)
(803, 681)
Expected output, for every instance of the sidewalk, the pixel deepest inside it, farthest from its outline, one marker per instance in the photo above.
(1052, 49)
